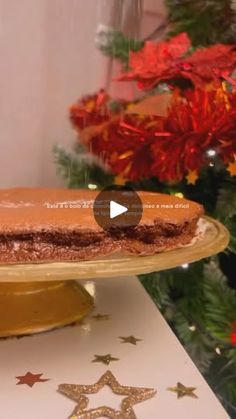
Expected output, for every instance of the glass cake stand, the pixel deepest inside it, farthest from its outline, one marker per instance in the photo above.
(39, 297)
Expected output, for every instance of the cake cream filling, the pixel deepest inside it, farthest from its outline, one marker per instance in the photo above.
(200, 231)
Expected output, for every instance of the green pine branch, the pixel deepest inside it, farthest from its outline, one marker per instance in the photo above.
(220, 307)
(114, 44)
(226, 209)
(77, 170)
(206, 22)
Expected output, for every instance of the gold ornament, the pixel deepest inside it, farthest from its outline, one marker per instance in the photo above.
(182, 391)
(130, 339)
(30, 379)
(77, 392)
(104, 359)
(120, 180)
(100, 317)
(179, 194)
(232, 168)
(192, 177)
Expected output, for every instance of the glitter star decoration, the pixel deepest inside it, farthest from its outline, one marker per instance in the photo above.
(130, 339)
(132, 396)
(30, 379)
(104, 359)
(182, 391)
(192, 177)
(232, 168)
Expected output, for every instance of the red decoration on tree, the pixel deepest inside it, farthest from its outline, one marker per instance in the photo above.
(93, 110)
(201, 121)
(125, 145)
(212, 63)
(168, 62)
(233, 334)
(167, 147)
(90, 110)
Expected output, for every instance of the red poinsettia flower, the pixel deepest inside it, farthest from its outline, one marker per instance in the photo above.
(168, 62)
(212, 63)
(157, 61)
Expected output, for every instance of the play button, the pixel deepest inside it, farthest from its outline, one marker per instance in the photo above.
(117, 208)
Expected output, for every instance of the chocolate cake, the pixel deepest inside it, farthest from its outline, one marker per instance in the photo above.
(48, 225)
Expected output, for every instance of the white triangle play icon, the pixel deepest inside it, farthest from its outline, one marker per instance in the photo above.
(116, 209)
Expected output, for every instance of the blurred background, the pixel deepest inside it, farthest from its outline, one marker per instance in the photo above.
(48, 59)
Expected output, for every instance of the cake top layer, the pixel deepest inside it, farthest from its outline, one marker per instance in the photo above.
(26, 210)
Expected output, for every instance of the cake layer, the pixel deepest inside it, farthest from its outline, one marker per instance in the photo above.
(39, 225)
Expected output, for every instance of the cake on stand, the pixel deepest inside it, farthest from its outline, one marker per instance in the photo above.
(40, 297)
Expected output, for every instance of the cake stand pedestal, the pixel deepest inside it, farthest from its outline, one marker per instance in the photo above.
(34, 307)
(39, 297)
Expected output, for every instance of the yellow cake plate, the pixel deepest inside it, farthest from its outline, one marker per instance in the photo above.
(40, 297)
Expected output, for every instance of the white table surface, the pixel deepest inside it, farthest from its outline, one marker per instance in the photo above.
(158, 361)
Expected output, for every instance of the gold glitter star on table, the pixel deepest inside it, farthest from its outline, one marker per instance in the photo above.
(133, 395)
(30, 379)
(104, 359)
(130, 339)
(182, 391)
(100, 317)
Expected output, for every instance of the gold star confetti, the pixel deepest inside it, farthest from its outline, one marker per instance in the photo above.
(182, 391)
(133, 395)
(104, 359)
(232, 168)
(100, 317)
(120, 180)
(130, 339)
(30, 379)
(192, 177)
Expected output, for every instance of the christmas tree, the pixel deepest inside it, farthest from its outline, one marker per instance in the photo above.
(178, 138)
